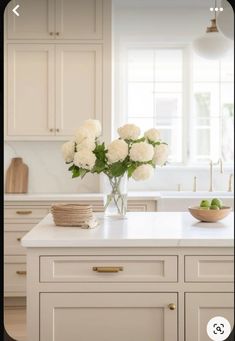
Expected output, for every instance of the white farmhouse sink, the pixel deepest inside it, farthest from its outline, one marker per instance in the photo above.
(173, 201)
(199, 194)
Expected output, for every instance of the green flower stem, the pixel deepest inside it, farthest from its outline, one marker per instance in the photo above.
(116, 195)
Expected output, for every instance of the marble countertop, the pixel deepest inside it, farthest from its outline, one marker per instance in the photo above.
(147, 195)
(142, 229)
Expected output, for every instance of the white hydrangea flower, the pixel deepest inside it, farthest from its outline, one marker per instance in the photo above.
(152, 134)
(68, 150)
(143, 172)
(161, 153)
(82, 134)
(93, 126)
(141, 152)
(129, 132)
(85, 159)
(88, 143)
(117, 151)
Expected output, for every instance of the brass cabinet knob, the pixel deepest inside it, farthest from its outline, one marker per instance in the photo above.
(57, 33)
(19, 239)
(172, 306)
(21, 273)
(57, 130)
(51, 33)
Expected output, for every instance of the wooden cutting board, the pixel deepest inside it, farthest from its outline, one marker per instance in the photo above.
(17, 176)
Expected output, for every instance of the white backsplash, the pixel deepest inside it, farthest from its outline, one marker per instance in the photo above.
(48, 173)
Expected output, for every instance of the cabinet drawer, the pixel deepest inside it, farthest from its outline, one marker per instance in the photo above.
(15, 274)
(108, 269)
(209, 268)
(16, 227)
(12, 243)
(25, 212)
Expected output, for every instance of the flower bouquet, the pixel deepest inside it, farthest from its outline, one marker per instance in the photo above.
(129, 156)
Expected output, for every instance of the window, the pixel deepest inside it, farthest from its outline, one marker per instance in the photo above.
(189, 99)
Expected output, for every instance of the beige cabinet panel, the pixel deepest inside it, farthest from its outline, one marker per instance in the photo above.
(78, 19)
(107, 316)
(96, 269)
(209, 268)
(12, 245)
(14, 275)
(36, 19)
(201, 307)
(24, 213)
(78, 86)
(30, 90)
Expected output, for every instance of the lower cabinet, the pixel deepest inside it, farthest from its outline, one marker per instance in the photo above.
(201, 307)
(108, 316)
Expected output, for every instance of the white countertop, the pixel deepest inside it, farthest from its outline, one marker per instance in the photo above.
(142, 229)
(147, 195)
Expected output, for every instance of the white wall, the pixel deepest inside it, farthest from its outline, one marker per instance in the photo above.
(47, 171)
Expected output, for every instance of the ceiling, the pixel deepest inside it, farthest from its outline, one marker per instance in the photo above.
(164, 3)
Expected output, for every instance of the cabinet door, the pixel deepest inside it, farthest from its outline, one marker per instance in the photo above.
(79, 19)
(78, 86)
(30, 104)
(201, 307)
(36, 19)
(107, 316)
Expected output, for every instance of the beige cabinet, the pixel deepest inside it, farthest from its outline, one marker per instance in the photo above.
(78, 19)
(78, 86)
(30, 91)
(52, 89)
(108, 316)
(201, 307)
(36, 20)
(55, 19)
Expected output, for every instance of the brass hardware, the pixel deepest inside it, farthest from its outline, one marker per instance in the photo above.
(21, 273)
(51, 130)
(107, 269)
(195, 184)
(57, 130)
(57, 33)
(19, 239)
(51, 33)
(230, 183)
(24, 212)
(172, 306)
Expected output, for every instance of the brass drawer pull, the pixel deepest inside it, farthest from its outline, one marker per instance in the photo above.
(21, 273)
(172, 306)
(24, 212)
(107, 269)
(19, 239)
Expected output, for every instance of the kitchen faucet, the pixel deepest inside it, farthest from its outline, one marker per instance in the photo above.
(220, 163)
(230, 183)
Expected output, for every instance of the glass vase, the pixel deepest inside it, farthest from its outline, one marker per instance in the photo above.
(115, 200)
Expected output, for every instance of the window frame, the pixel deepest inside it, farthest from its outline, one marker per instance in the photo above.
(120, 94)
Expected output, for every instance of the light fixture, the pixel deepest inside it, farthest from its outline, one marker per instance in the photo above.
(212, 45)
(225, 20)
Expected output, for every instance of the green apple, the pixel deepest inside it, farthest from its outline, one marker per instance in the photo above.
(214, 207)
(217, 202)
(205, 203)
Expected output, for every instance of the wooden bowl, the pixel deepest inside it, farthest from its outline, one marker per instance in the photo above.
(209, 216)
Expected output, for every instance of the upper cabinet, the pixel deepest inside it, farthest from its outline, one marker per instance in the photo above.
(55, 19)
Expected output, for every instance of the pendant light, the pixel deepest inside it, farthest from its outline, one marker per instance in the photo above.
(225, 20)
(213, 44)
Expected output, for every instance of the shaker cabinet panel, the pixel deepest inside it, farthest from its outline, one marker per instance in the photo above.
(201, 307)
(78, 86)
(30, 90)
(78, 19)
(107, 316)
(36, 19)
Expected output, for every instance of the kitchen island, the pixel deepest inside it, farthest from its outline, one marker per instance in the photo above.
(152, 276)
